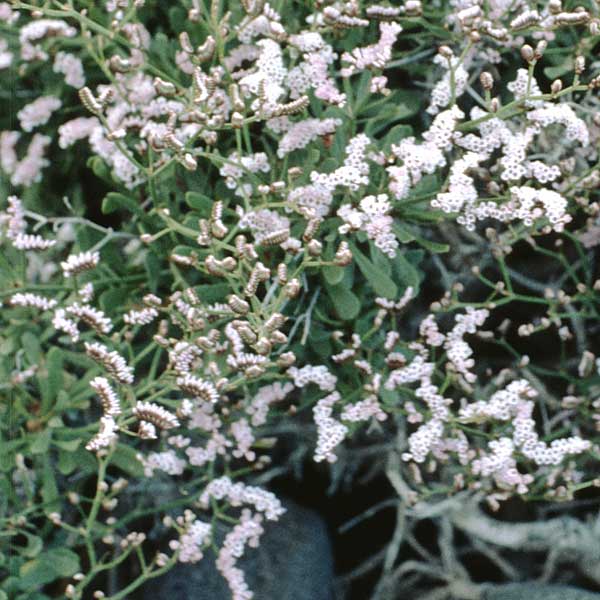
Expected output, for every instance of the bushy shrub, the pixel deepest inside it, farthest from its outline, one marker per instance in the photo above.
(371, 225)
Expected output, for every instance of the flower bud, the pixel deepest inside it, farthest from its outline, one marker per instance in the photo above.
(487, 81)
(446, 52)
(556, 86)
(527, 53)
(540, 49)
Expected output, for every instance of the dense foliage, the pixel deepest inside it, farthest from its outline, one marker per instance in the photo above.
(368, 229)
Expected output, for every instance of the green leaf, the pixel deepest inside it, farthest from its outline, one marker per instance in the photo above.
(68, 445)
(177, 18)
(66, 562)
(31, 345)
(152, 267)
(200, 202)
(54, 380)
(330, 164)
(380, 282)
(333, 274)
(556, 71)
(363, 89)
(213, 292)
(405, 273)
(346, 304)
(125, 458)
(380, 260)
(425, 216)
(36, 572)
(34, 545)
(49, 488)
(99, 168)
(114, 201)
(62, 401)
(429, 184)
(81, 459)
(48, 566)
(436, 247)
(396, 134)
(403, 234)
(41, 442)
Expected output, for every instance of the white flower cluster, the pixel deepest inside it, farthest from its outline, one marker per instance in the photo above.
(313, 70)
(524, 86)
(72, 68)
(458, 351)
(107, 434)
(318, 375)
(246, 532)
(61, 322)
(419, 159)
(441, 95)
(75, 130)
(111, 404)
(429, 437)
(375, 56)
(562, 114)
(143, 316)
(237, 168)
(77, 263)
(363, 410)
(435, 434)
(269, 74)
(243, 435)
(38, 112)
(37, 30)
(373, 218)
(217, 444)
(330, 432)
(112, 361)
(263, 398)
(194, 536)
(91, 316)
(166, 461)
(6, 57)
(299, 135)
(263, 222)
(318, 195)
(526, 203)
(28, 170)
(239, 494)
(32, 300)
(529, 204)
(515, 404)
(13, 220)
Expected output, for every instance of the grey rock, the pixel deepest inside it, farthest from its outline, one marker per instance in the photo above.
(533, 591)
(293, 562)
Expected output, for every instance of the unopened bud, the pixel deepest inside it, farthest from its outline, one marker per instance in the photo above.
(540, 49)
(554, 6)
(237, 120)
(446, 52)
(487, 81)
(556, 86)
(527, 53)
